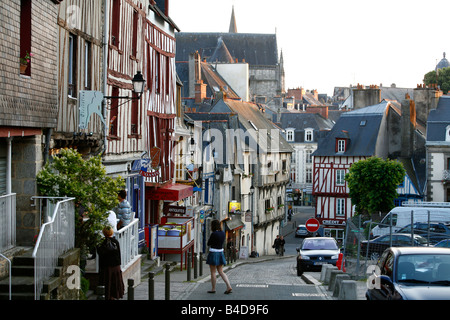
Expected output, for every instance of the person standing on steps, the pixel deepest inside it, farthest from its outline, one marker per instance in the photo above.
(216, 258)
(110, 274)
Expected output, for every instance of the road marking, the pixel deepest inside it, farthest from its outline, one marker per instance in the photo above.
(252, 285)
(308, 294)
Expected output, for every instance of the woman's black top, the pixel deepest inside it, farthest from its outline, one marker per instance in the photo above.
(109, 253)
(216, 240)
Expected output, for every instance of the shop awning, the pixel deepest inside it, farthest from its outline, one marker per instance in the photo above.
(173, 192)
(234, 224)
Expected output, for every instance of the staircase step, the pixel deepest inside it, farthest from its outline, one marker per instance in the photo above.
(24, 271)
(17, 296)
(18, 284)
(24, 260)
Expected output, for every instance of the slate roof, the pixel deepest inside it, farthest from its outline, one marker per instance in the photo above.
(301, 121)
(233, 114)
(256, 49)
(438, 120)
(362, 135)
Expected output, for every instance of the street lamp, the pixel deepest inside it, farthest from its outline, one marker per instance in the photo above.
(138, 82)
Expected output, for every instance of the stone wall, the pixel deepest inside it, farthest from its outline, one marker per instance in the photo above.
(27, 160)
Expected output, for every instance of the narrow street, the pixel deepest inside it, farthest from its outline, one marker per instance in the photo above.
(268, 280)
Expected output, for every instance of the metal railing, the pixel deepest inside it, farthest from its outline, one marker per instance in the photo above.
(7, 222)
(128, 238)
(362, 250)
(56, 237)
(9, 275)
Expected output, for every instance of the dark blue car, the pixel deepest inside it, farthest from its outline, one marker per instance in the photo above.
(411, 273)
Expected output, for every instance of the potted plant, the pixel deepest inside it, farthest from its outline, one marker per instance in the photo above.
(24, 62)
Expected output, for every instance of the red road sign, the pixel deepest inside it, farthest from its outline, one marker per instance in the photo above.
(312, 225)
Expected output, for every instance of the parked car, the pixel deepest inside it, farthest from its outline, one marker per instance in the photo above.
(399, 217)
(443, 244)
(302, 231)
(316, 251)
(378, 245)
(411, 273)
(436, 231)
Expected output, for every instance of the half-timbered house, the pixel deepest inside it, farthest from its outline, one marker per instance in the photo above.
(376, 130)
(80, 57)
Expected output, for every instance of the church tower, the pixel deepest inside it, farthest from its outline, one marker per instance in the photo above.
(233, 28)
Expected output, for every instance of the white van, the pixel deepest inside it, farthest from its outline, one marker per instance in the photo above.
(421, 212)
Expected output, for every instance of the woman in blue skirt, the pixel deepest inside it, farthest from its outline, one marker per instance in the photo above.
(216, 258)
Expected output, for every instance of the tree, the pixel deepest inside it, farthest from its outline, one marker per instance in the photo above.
(373, 184)
(443, 79)
(95, 193)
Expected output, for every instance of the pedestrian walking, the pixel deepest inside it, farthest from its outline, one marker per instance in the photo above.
(276, 244)
(282, 243)
(216, 258)
(110, 274)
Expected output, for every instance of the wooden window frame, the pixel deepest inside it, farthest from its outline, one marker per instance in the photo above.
(25, 32)
(72, 66)
(87, 65)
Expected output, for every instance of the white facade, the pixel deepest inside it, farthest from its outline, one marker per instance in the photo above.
(236, 75)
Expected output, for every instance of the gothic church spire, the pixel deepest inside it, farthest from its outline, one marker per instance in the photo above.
(233, 28)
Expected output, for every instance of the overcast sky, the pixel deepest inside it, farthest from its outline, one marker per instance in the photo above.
(329, 43)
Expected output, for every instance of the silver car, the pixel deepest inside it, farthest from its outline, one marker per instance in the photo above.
(302, 232)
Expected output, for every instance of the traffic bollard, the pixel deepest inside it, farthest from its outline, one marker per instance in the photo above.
(130, 293)
(151, 286)
(101, 293)
(201, 264)
(195, 266)
(188, 269)
(167, 281)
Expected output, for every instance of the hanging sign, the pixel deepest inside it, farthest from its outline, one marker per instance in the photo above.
(90, 103)
(150, 166)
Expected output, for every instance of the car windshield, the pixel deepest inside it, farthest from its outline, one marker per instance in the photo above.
(319, 244)
(430, 269)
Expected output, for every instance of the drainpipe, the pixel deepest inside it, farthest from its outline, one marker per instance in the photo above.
(105, 70)
(8, 164)
(48, 137)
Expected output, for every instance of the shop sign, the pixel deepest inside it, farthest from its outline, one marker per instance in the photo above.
(234, 206)
(150, 166)
(334, 222)
(173, 210)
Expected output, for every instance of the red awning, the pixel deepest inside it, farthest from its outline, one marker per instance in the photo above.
(173, 192)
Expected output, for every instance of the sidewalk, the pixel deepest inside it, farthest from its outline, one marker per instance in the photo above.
(180, 288)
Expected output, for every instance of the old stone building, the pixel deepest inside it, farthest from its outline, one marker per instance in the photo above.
(259, 51)
(28, 101)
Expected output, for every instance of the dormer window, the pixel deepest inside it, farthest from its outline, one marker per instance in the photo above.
(447, 134)
(309, 136)
(289, 135)
(341, 145)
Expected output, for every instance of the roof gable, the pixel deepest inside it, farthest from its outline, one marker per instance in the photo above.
(361, 128)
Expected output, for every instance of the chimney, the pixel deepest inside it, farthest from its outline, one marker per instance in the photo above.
(200, 91)
(408, 124)
(364, 97)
